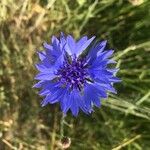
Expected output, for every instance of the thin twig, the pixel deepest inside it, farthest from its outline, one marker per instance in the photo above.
(9, 144)
(127, 142)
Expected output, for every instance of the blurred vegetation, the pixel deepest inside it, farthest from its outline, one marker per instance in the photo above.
(123, 122)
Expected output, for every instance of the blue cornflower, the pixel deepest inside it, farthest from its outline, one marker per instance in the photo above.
(75, 74)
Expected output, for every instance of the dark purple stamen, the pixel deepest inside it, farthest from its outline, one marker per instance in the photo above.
(73, 74)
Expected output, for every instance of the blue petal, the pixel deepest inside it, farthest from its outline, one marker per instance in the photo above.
(47, 88)
(114, 79)
(81, 42)
(55, 40)
(38, 85)
(91, 97)
(99, 72)
(46, 100)
(56, 95)
(100, 90)
(48, 61)
(44, 92)
(99, 64)
(42, 55)
(79, 103)
(96, 101)
(87, 98)
(100, 46)
(42, 68)
(82, 45)
(52, 61)
(105, 55)
(45, 76)
(108, 87)
(47, 46)
(62, 39)
(82, 105)
(66, 102)
(74, 107)
(113, 71)
(56, 48)
(70, 46)
(53, 97)
(101, 79)
(96, 50)
(53, 50)
(110, 61)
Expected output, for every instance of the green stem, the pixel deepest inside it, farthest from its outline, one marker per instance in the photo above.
(53, 135)
(62, 126)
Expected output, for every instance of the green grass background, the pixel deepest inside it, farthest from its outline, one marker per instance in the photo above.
(123, 121)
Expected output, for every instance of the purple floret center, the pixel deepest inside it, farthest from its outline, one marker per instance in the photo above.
(74, 73)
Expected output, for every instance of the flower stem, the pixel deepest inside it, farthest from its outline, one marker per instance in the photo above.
(64, 140)
(62, 125)
(53, 135)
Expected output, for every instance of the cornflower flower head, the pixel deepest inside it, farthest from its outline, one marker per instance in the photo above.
(75, 74)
